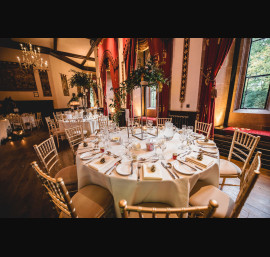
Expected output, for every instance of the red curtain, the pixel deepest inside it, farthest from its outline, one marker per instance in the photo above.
(108, 49)
(161, 49)
(215, 54)
(130, 58)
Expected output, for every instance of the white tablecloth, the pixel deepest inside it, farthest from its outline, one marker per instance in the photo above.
(174, 192)
(88, 124)
(4, 125)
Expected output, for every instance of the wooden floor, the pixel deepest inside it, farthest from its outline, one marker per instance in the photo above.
(22, 196)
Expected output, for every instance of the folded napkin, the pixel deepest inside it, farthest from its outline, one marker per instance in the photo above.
(148, 174)
(201, 142)
(96, 165)
(204, 163)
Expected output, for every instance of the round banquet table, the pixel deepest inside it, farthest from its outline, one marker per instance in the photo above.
(168, 190)
(4, 125)
(88, 124)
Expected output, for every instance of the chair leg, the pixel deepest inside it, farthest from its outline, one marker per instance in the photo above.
(222, 184)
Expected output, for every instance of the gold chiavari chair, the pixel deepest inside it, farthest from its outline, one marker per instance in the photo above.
(48, 156)
(103, 123)
(161, 121)
(243, 146)
(75, 137)
(38, 119)
(202, 127)
(53, 130)
(160, 210)
(91, 201)
(56, 120)
(227, 207)
(16, 122)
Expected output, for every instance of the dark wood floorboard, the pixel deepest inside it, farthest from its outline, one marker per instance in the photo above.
(22, 196)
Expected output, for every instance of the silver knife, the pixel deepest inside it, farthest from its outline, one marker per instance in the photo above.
(172, 175)
(115, 165)
(110, 169)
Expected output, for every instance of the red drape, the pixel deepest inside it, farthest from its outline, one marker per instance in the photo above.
(161, 48)
(108, 49)
(215, 54)
(130, 58)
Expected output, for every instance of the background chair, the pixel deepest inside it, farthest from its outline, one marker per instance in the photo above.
(162, 121)
(202, 127)
(103, 122)
(54, 131)
(91, 201)
(38, 119)
(227, 207)
(48, 156)
(242, 147)
(159, 210)
(75, 137)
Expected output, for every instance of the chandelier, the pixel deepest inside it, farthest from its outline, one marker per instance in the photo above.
(31, 58)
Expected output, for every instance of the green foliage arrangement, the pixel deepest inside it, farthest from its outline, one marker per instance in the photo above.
(82, 79)
(152, 75)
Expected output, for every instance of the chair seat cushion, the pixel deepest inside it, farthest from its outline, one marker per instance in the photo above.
(69, 175)
(228, 168)
(207, 193)
(91, 201)
(152, 205)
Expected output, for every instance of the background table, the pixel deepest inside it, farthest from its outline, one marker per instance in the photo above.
(4, 125)
(88, 124)
(174, 192)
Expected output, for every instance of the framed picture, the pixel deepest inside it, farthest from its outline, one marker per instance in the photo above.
(36, 94)
(45, 84)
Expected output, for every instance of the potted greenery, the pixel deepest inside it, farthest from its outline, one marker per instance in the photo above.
(84, 81)
(151, 75)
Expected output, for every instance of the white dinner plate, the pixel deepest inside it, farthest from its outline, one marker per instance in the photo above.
(86, 156)
(183, 168)
(124, 169)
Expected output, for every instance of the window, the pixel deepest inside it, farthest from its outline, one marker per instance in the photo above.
(92, 103)
(257, 81)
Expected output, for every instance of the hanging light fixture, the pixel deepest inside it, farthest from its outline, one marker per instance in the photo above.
(31, 58)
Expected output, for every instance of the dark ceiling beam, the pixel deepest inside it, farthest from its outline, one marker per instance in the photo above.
(93, 43)
(55, 44)
(8, 43)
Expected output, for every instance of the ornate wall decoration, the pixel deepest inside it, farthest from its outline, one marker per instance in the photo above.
(45, 84)
(184, 70)
(12, 78)
(64, 84)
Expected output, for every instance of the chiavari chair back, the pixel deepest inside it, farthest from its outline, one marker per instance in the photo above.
(75, 137)
(243, 145)
(161, 121)
(57, 192)
(248, 180)
(16, 121)
(38, 119)
(103, 122)
(56, 120)
(202, 127)
(137, 211)
(131, 122)
(48, 155)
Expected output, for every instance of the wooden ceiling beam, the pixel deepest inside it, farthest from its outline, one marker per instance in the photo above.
(8, 43)
(93, 44)
(55, 44)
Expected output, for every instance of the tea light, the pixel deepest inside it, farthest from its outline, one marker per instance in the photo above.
(144, 128)
(102, 149)
(174, 156)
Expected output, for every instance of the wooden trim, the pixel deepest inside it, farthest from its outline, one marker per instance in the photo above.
(232, 81)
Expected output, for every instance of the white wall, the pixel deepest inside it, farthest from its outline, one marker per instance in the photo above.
(194, 64)
(56, 67)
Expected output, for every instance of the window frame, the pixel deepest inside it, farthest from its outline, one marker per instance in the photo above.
(242, 97)
(240, 81)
